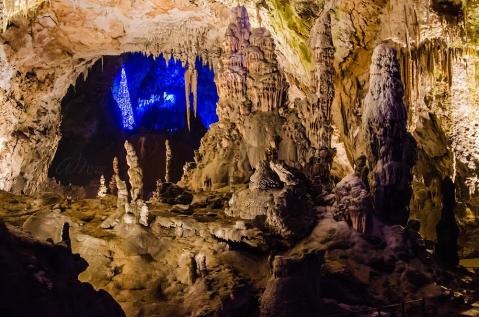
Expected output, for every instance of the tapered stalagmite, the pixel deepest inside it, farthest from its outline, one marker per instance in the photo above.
(102, 190)
(122, 191)
(391, 150)
(319, 126)
(135, 173)
(316, 110)
(167, 161)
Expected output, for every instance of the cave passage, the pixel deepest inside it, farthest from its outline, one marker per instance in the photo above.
(136, 98)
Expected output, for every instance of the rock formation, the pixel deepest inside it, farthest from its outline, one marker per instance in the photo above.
(293, 288)
(390, 149)
(354, 203)
(144, 213)
(316, 111)
(135, 173)
(285, 208)
(249, 80)
(446, 250)
(41, 279)
(102, 189)
(122, 190)
(167, 160)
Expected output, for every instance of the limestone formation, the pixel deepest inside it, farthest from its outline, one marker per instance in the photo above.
(390, 149)
(249, 80)
(122, 190)
(264, 178)
(446, 250)
(167, 160)
(354, 203)
(286, 209)
(102, 190)
(270, 154)
(293, 288)
(65, 236)
(315, 111)
(112, 185)
(144, 213)
(135, 173)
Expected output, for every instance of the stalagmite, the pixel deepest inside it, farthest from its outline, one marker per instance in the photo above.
(390, 149)
(122, 191)
(135, 173)
(447, 230)
(144, 212)
(112, 185)
(102, 190)
(167, 160)
(65, 235)
(316, 110)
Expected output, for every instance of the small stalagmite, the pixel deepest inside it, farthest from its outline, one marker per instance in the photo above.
(167, 161)
(135, 173)
(102, 190)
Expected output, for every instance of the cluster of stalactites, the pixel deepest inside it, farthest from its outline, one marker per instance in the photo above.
(425, 61)
(249, 80)
(390, 149)
(12, 8)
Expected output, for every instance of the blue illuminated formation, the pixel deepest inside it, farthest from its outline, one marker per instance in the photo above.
(156, 93)
(122, 98)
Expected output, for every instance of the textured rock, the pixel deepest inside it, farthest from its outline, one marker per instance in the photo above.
(354, 204)
(391, 150)
(135, 173)
(45, 280)
(294, 287)
(286, 210)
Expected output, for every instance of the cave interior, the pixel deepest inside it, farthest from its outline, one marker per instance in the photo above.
(264, 158)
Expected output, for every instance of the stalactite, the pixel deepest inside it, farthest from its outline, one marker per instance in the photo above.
(194, 89)
(188, 77)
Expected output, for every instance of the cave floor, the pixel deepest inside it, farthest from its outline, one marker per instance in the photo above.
(159, 268)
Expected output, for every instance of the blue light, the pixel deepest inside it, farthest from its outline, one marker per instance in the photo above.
(157, 93)
(122, 98)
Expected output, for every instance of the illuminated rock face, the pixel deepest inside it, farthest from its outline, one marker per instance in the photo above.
(391, 150)
(250, 80)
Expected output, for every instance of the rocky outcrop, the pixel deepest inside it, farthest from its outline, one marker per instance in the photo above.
(294, 287)
(390, 149)
(354, 204)
(285, 208)
(44, 278)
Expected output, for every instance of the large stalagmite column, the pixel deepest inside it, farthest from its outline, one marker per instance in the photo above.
(391, 150)
(318, 117)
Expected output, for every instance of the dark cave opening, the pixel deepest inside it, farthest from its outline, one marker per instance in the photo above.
(135, 98)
